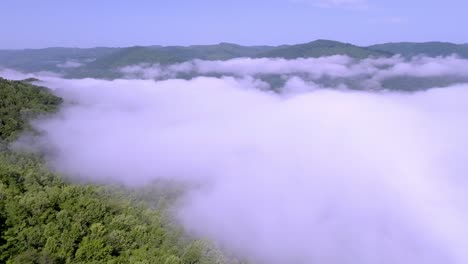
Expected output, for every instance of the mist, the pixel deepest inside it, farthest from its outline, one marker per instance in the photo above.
(310, 175)
(374, 70)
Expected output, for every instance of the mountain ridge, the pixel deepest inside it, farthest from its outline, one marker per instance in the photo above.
(105, 62)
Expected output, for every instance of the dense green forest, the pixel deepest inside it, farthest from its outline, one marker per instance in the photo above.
(21, 101)
(46, 219)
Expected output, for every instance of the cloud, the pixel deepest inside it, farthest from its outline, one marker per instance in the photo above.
(70, 64)
(308, 175)
(367, 73)
(320, 176)
(17, 75)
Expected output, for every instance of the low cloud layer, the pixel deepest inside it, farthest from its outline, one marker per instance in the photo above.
(70, 64)
(370, 73)
(319, 177)
(16, 75)
(310, 175)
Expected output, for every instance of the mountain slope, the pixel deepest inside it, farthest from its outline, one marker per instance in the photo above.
(432, 49)
(50, 59)
(46, 219)
(175, 54)
(19, 102)
(106, 62)
(321, 48)
(107, 65)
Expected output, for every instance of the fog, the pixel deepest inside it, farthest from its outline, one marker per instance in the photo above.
(70, 64)
(337, 66)
(310, 175)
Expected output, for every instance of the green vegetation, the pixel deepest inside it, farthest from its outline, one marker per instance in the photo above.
(45, 219)
(106, 67)
(408, 83)
(176, 54)
(432, 49)
(320, 48)
(106, 62)
(49, 59)
(20, 101)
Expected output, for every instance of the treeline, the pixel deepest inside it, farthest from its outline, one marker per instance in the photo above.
(20, 101)
(45, 219)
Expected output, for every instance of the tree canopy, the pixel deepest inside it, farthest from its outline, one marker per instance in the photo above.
(46, 219)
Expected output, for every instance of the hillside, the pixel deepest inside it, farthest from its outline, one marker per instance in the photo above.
(106, 62)
(320, 48)
(50, 59)
(432, 49)
(105, 66)
(47, 219)
(19, 102)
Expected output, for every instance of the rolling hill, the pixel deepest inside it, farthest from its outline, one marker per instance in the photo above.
(106, 65)
(105, 62)
(320, 48)
(46, 218)
(50, 59)
(432, 49)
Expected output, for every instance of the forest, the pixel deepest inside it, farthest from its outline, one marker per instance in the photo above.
(44, 218)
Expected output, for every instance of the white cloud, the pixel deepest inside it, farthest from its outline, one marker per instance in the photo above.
(309, 175)
(370, 72)
(325, 176)
(70, 64)
(17, 75)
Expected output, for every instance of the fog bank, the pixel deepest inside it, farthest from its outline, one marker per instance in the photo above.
(316, 176)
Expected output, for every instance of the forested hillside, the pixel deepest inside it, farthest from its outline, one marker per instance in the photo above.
(19, 102)
(431, 49)
(107, 63)
(50, 59)
(106, 67)
(47, 219)
(320, 48)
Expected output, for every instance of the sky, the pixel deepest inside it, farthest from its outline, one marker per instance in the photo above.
(118, 23)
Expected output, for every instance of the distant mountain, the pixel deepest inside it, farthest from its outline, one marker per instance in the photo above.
(50, 59)
(165, 55)
(175, 54)
(432, 49)
(106, 66)
(320, 48)
(105, 62)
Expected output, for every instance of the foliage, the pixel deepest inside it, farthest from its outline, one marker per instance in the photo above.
(432, 49)
(105, 62)
(105, 67)
(21, 101)
(49, 59)
(45, 219)
(320, 48)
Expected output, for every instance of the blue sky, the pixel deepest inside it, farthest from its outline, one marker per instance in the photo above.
(89, 23)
